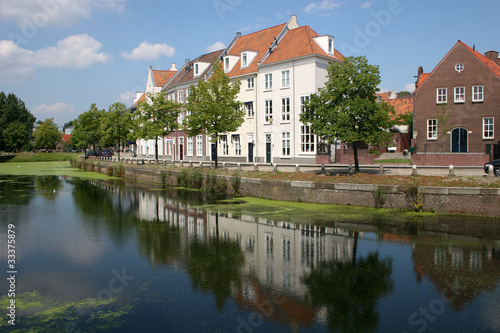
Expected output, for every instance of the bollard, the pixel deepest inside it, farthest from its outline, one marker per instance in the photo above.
(297, 168)
(351, 169)
(491, 172)
(451, 172)
(201, 164)
(323, 169)
(381, 170)
(414, 170)
(239, 166)
(255, 167)
(275, 168)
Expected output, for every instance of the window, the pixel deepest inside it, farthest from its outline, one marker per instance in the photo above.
(226, 63)
(306, 139)
(477, 93)
(196, 69)
(431, 129)
(330, 45)
(180, 96)
(285, 109)
(181, 118)
(199, 145)
(268, 82)
(459, 67)
(459, 94)
(268, 110)
(303, 101)
(488, 128)
(285, 143)
(237, 145)
(190, 146)
(285, 79)
(249, 109)
(442, 95)
(244, 59)
(250, 83)
(225, 147)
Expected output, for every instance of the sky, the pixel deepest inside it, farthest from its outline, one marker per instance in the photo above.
(60, 56)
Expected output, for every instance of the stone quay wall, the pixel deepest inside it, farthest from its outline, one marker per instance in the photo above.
(460, 200)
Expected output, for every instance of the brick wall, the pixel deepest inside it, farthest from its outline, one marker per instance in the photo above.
(450, 159)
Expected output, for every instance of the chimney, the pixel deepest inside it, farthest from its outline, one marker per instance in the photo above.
(173, 68)
(493, 55)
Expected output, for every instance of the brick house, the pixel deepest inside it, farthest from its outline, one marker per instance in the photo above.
(456, 107)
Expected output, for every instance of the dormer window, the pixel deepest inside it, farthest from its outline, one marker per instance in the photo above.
(226, 64)
(244, 59)
(196, 69)
(330, 45)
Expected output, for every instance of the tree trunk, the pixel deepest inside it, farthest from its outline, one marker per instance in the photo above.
(156, 148)
(356, 162)
(118, 150)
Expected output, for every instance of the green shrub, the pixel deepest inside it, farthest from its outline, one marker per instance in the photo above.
(119, 171)
(110, 171)
(235, 183)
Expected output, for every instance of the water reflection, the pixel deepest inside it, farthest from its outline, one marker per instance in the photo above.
(247, 272)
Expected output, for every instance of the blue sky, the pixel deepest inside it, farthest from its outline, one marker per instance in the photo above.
(60, 56)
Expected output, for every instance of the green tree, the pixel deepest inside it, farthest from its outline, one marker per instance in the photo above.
(155, 117)
(47, 135)
(13, 110)
(116, 126)
(214, 107)
(87, 128)
(346, 108)
(15, 136)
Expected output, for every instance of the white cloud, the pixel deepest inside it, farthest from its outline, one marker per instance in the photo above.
(57, 111)
(215, 47)
(326, 5)
(410, 87)
(78, 51)
(53, 12)
(148, 51)
(126, 98)
(366, 5)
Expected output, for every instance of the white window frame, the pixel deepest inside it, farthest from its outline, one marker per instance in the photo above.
(285, 144)
(249, 110)
(285, 109)
(226, 64)
(250, 83)
(431, 129)
(196, 69)
(459, 94)
(307, 140)
(488, 128)
(303, 100)
(199, 145)
(330, 45)
(441, 95)
(268, 110)
(237, 145)
(244, 59)
(189, 151)
(478, 93)
(180, 96)
(285, 78)
(181, 117)
(268, 81)
(225, 146)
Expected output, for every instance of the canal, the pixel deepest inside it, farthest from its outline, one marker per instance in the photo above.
(98, 256)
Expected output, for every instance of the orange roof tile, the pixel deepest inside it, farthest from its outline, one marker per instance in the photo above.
(162, 77)
(66, 138)
(298, 43)
(402, 105)
(186, 73)
(259, 42)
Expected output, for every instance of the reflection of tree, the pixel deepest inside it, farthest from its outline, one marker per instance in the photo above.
(15, 190)
(160, 243)
(215, 267)
(350, 290)
(48, 185)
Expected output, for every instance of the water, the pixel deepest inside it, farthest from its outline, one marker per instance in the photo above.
(96, 257)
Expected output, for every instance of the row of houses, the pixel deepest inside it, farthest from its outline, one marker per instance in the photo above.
(280, 67)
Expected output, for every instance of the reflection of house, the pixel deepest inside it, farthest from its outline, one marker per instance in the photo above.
(456, 108)
(456, 270)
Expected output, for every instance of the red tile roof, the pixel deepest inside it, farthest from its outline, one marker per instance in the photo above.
(490, 64)
(66, 138)
(162, 77)
(259, 42)
(186, 73)
(298, 43)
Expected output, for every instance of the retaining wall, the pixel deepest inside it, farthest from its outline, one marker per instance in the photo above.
(461, 200)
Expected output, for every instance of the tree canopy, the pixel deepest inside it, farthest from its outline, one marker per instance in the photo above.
(87, 129)
(47, 135)
(155, 117)
(116, 126)
(16, 123)
(214, 107)
(346, 108)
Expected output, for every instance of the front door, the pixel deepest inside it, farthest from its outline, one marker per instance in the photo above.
(268, 148)
(459, 140)
(214, 151)
(250, 152)
(181, 149)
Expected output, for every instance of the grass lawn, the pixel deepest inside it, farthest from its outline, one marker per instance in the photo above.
(43, 157)
(57, 168)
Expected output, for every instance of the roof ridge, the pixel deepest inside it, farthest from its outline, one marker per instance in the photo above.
(282, 24)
